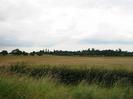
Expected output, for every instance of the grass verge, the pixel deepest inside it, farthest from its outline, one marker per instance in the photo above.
(19, 82)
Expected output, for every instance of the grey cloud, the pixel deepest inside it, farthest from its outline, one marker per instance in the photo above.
(19, 9)
(100, 41)
(92, 3)
(50, 22)
(12, 41)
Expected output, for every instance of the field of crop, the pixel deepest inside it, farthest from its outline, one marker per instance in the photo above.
(64, 77)
(106, 62)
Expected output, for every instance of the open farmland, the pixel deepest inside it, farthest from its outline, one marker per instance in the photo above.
(73, 61)
(66, 77)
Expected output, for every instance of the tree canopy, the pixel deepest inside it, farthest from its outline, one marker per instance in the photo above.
(87, 52)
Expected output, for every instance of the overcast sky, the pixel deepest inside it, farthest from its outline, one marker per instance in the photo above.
(66, 24)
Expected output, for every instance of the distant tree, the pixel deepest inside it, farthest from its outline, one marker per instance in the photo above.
(119, 50)
(24, 53)
(33, 53)
(16, 52)
(87, 52)
(40, 53)
(4, 52)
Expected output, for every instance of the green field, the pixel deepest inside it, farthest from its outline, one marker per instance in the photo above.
(64, 77)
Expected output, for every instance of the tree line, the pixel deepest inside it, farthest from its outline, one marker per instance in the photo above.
(88, 52)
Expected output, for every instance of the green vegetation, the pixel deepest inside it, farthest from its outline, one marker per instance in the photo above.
(4, 53)
(14, 86)
(66, 77)
(28, 88)
(56, 82)
(88, 52)
(75, 75)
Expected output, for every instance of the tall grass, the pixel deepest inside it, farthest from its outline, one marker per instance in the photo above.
(21, 81)
(76, 75)
(15, 87)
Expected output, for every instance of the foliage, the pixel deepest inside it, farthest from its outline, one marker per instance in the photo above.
(22, 81)
(88, 52)
(4, 52)
(24, 87)
(75, 75)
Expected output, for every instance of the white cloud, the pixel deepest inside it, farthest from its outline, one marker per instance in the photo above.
(62, 24)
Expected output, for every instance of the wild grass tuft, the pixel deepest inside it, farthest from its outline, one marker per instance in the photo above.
(74, 75)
